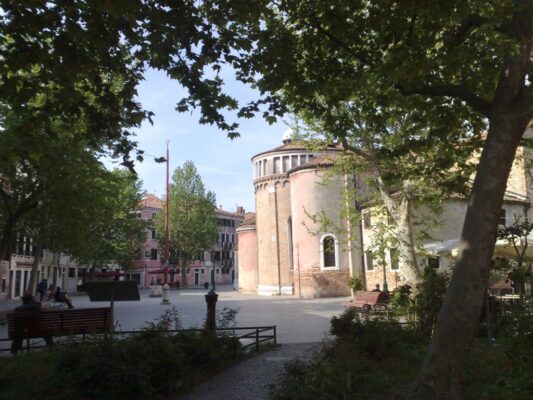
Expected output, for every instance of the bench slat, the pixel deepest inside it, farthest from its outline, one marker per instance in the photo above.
(59, 322)
(364, 299)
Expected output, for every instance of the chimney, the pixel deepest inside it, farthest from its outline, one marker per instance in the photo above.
(240, 210)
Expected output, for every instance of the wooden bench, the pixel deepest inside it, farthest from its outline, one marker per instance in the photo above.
(369, 301)
(49, 323)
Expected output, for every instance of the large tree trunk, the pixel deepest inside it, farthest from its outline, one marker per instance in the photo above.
(34, 267)
(406, 241)
(7, 237)
(457, 323)
(403, 216)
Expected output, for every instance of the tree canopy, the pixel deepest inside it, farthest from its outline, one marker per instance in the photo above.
(193, 226)
(472, 58)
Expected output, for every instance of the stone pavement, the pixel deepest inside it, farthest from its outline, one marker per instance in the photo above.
(252, 378)
(297, 321)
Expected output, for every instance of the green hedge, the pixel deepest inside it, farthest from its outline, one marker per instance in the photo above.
(144, 366)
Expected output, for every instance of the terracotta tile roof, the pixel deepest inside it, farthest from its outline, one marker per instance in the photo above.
(151, 201)
(249, 219)
(297, 146)
(315, 163)
(220, 211)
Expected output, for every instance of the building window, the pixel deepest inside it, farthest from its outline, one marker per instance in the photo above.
(294, 161)
(3, 288)
(202, 271)
(367, 220)
(394, 259)
(503, 217)
(329, 250)
(139, 215)
(154, 233)
(369, 258)
(188, 271)
(218, 271)
(276, 166)
(153, 254)
(286, 166)
(433, 262)
(71, 273)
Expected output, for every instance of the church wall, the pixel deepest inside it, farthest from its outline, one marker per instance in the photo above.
(309, 197)
(272, 213)
(247, 254)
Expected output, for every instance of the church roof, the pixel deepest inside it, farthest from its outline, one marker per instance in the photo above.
(289, 146)
(315, 163)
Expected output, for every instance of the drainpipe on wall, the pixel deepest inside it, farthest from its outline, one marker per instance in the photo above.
(361, 237)
(277, 239)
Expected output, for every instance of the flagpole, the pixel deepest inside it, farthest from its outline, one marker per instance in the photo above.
(166, 220)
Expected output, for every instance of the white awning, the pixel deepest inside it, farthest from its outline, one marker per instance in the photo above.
(502, 248)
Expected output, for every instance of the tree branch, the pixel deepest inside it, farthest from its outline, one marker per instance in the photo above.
(456, 91)
(347, 147)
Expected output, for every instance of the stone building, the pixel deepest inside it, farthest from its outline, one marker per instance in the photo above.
(59, 269)
(294, 254)
(284, 249)
(220, 258)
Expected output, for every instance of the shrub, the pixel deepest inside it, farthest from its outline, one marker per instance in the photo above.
(356, 283)
(367, 359)
(376, 336)
(401, 300)
(148, 364)
(428, 299)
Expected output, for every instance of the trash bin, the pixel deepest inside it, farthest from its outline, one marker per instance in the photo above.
(206, 285)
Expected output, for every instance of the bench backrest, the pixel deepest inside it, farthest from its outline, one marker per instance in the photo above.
(363, 297)
(29, 324)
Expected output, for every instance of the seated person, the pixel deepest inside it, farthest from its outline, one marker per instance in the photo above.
(50, 293)
(61, 297)
(28, 304)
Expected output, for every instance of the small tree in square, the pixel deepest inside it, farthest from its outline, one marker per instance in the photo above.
(193, 223)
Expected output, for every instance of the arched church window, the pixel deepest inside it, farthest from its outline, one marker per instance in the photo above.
(329, 252)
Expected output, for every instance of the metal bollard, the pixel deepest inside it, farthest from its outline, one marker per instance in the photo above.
(211, 300)
(166, 289)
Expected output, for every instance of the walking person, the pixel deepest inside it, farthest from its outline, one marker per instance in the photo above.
(41, 289)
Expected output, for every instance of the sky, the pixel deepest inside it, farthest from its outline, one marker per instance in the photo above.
(223, 164)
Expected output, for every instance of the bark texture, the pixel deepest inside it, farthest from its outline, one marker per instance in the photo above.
(402, 213)
(35, 267)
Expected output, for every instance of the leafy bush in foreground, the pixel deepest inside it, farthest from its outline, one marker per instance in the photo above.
(147, 365)
(379, 359)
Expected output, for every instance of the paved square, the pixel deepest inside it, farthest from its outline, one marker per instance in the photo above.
(297, 321)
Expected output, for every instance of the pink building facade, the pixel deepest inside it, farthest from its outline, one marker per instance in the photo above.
(220, 258)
